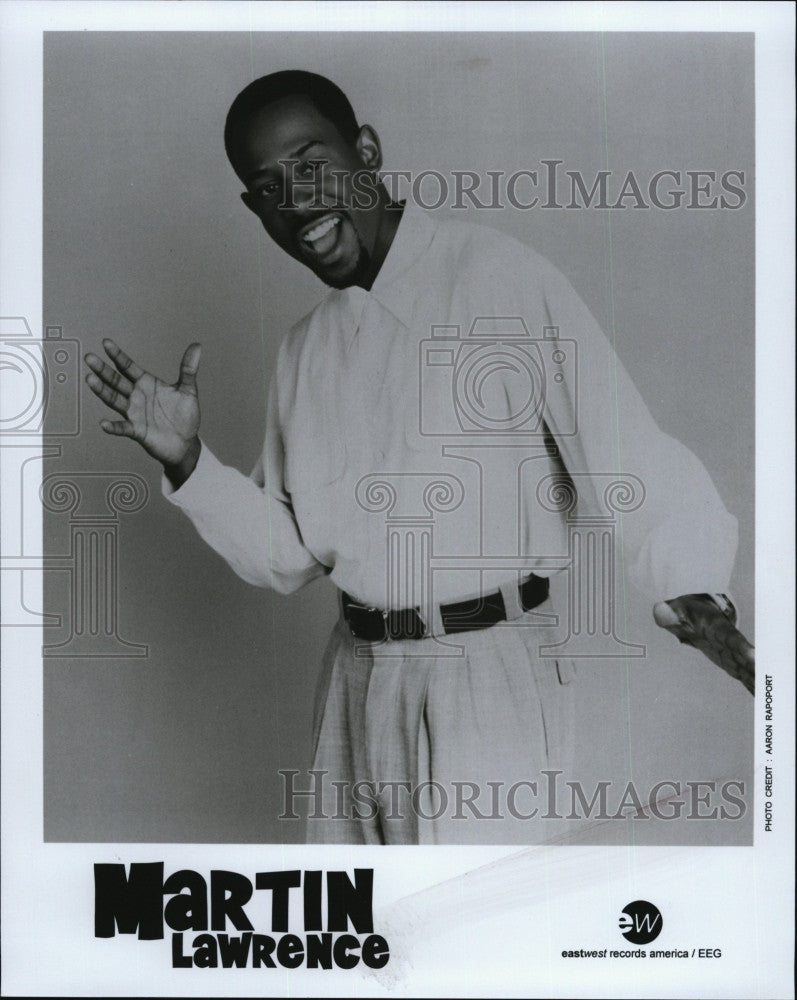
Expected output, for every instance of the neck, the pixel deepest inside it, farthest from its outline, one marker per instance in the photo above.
(389, 218)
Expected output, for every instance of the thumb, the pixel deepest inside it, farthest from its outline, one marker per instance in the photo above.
(665, 616)
(673, 617)
(189, 367)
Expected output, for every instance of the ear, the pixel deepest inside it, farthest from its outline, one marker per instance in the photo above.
(368, 148)
(250, 201)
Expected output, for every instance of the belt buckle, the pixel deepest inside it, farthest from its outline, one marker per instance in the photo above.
(364, 629)
(395, 624)
(405, 623)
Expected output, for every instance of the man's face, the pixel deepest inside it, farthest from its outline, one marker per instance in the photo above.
(306, 205)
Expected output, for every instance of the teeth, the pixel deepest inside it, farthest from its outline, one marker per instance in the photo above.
(321, 229)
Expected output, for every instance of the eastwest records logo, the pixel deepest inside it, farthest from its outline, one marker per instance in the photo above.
(640, 922)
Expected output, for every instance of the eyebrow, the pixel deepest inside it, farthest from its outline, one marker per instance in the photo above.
(297, 153)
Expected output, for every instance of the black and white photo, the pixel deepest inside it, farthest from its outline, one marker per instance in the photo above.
(383, 461)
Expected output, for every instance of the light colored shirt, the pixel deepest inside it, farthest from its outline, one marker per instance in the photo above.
(369, 389)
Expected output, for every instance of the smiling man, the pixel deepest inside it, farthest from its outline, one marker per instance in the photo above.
(273, 131)
(434, 685)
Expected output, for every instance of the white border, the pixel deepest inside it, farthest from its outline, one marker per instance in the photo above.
(47, 889)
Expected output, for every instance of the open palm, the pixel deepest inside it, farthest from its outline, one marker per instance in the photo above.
(163, 418)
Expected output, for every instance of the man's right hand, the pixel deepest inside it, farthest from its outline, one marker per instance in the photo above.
(163, 418)
(696, 620)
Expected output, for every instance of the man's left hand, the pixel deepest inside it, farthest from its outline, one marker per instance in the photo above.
(695, 619)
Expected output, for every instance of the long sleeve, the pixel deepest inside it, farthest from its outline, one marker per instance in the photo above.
(680, 539)
(249, 520)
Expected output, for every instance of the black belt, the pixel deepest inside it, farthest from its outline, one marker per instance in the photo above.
(375, 625)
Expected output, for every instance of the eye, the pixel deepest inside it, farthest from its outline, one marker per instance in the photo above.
(309, 168)
(269, 190)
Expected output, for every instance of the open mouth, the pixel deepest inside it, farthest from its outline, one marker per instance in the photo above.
(320, 238)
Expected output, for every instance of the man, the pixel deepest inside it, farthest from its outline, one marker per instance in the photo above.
(436, 479)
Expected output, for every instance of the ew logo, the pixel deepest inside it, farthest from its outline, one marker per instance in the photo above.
(640, 922)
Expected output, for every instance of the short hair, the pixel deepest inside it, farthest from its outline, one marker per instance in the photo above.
(327, 97)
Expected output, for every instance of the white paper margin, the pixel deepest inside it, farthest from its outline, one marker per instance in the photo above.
(741, 896)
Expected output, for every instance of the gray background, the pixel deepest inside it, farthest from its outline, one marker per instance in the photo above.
(146, 240)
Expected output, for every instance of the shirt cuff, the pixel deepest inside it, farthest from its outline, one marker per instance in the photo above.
(200, 485)
(727, 605)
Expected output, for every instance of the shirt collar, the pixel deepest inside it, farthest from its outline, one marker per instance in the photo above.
(413, 237)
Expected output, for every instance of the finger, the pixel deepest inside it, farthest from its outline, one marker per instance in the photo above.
(745, 669)
(120, 428)
(189, 367)
(733, 653)
(742, 655)
(125, 364)
(740, 666)
(109, 396)
(110, 376)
